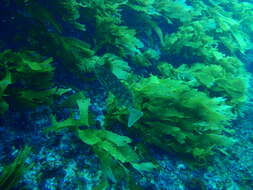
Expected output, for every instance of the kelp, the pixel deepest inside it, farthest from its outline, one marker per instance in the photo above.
(111, 83)
(72, 53)
(69, 11)
(28, 64)
(76, 100)
(174, 10)
(112, 149)
(26, 79)
(178, 117)
(12, 173)
(170, 10)
(194, 38)
(4, 82)
(214, 80)
(114, 152)
(115, 145)
(55, 13)
(190, 40)
(114, 172)
(110, 36)
(146, 58)
(109, 33)
(193, 42)
(218, 81)
(201, 86)
(231, 29)
(118, 66)
(40, 13)
(154, 17)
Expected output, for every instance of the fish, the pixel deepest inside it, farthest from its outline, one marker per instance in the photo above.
(124, 96)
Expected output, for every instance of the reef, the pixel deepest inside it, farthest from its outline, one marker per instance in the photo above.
(126, 94)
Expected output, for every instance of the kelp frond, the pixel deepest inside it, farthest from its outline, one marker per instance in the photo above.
(13, 172)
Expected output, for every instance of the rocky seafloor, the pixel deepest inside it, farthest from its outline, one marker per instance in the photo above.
(62, 161)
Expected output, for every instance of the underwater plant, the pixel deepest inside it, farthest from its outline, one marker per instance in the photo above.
(21, 82)
(13, 172)
(112, 149)
(170, 71)
(177, 117)
(213, 79)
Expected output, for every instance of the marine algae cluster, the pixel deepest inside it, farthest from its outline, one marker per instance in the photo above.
(178, 60)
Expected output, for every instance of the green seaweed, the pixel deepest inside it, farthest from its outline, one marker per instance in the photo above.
(115, 145)
(112, 149)
(4, 82)
(13, 172)
(69, 10)
(118, 66)
(26, 79)
(71, 123)
(217, 80)
(41, 14)
(74, 54)
(111, 36)
(187, 109)
(178, 117)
